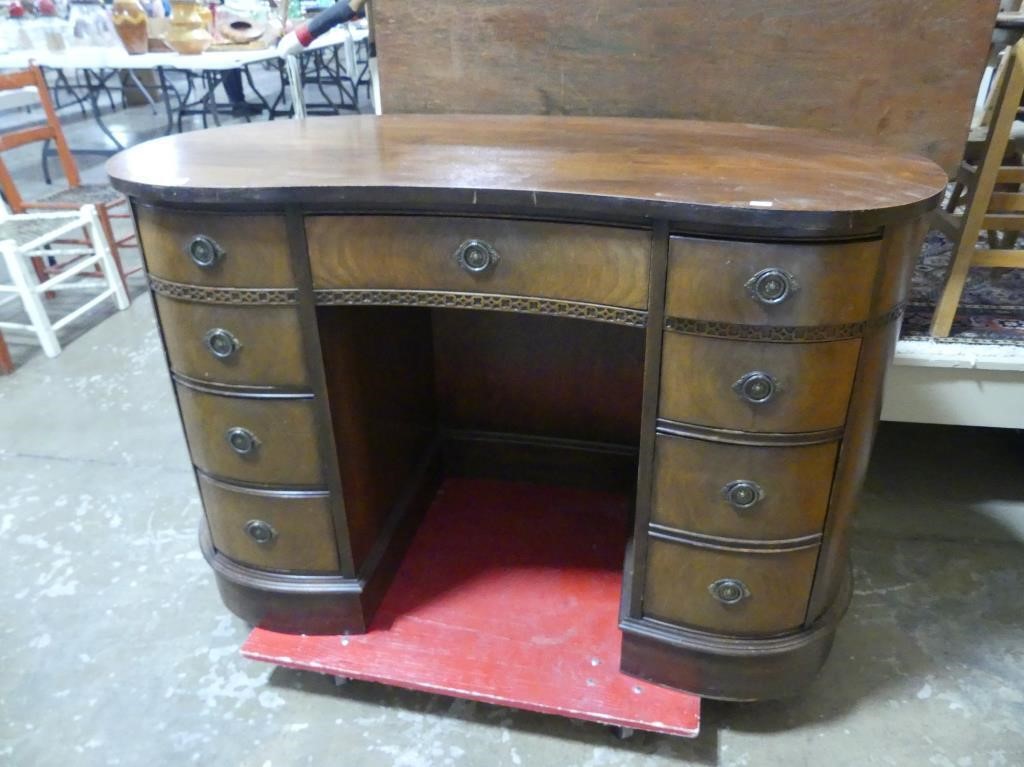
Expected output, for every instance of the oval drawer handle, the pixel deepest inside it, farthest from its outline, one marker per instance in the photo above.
(476, 256)
(241, 440)
(261, 532)
(221, 343)
(729, 591)
(756, 387)
(742, 493)
(205, 252)
(772, 286)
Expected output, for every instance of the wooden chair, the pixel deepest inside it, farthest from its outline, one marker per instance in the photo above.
(989, 189)
(104, 197)
(24, 237)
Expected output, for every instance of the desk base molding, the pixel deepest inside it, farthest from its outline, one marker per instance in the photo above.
(738, 669)
(289, 602)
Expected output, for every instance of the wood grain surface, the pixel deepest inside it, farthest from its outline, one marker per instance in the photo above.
(713, 174)
(678, 577)
(689, 476)
(902, 73)
(302, 521)
(595, 264)
(814, 380)
(707, 281)
(536, 375)
(285, 430)
(378, 365)
(255, 254)
(269, 337)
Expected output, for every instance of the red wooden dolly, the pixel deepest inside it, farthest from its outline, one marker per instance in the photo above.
(509, 594)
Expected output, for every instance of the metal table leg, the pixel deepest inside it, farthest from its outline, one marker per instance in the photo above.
(254, 89)
(165, 89)
(93, 93)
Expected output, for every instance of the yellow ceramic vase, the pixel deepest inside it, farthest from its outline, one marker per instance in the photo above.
(188, 32)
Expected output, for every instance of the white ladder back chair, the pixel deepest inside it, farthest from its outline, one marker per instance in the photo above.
(25, 236)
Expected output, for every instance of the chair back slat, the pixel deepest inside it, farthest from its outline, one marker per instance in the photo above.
(24, 136)
(10, 81)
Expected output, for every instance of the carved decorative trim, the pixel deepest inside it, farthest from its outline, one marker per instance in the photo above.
(206, 295)
(484, 301)
(782, 333)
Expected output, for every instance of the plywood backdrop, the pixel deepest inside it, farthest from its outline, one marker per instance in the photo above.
(904, 72)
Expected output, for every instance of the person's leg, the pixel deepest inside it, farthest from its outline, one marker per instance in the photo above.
(232, 79)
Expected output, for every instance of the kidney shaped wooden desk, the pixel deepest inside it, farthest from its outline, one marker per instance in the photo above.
(699, 314)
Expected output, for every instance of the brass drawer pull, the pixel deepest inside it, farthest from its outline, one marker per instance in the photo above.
(756, 387)
(771, 286)
(261, 532)
(476, 256)
(729, 591)
(205, 252)
(242, 441)
(742, 493)
(221, 343)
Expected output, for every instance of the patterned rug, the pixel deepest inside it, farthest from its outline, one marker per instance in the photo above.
(991, 310)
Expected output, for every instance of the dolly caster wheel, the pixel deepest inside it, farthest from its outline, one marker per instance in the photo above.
(340, 681)
(623, 733)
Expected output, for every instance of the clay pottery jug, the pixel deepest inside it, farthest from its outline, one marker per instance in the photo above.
(130, 25)
(188, 33)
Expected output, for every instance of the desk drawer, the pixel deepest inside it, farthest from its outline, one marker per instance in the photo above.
(593, 264)
(215, 249)
(741, 492)
(261, 440)
(754, 283)
(728, 591)
(272, 529)
(717, 383)
(262, 346)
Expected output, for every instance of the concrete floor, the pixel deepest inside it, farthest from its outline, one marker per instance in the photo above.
(115, 649)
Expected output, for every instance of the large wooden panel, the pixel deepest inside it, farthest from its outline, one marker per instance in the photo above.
(680, 582)
(813, 383)
(903, 73)
(377, 362)
(535, 375)
(691, 475)
(593, 264)
(718, 281)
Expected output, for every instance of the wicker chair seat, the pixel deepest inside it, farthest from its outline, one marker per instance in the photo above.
(23, 231)
(94, 194)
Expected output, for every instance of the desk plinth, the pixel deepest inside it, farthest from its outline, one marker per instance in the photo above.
(698, 316)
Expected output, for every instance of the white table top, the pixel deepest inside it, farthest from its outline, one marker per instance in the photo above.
(119, 58)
